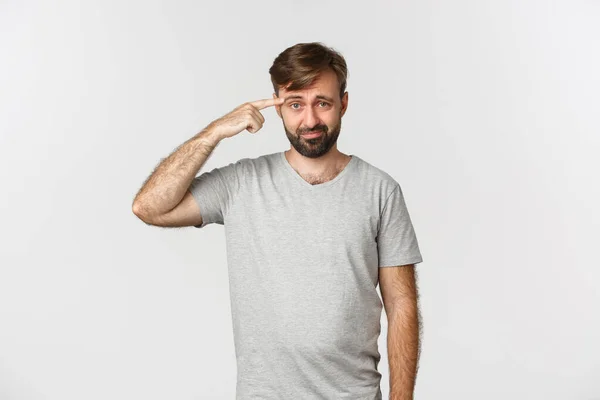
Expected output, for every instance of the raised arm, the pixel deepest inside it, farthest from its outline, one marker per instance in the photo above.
(159, 201)
(164, 199)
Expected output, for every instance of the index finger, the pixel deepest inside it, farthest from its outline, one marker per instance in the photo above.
(260, 104)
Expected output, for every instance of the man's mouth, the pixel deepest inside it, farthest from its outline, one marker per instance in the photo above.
(311, 134)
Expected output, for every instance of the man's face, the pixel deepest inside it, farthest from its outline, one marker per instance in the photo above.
(316, 109)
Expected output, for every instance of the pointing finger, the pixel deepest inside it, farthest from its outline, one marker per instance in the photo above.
(260, 104)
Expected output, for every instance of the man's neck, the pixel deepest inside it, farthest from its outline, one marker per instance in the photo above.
(318, 169)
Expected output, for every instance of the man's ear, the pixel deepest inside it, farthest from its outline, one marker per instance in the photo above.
(277, 107)
(344, 104)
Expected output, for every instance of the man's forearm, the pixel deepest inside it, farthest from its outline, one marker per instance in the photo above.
(403, 349)
(166, 186)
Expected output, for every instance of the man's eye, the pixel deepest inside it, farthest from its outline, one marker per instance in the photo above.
(325, 104)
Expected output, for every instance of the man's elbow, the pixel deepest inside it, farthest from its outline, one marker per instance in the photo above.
(139, 211)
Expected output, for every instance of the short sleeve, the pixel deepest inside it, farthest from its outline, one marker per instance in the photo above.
(396, 240)
(214, 192)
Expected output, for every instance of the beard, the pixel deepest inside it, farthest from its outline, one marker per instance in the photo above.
(316, 147)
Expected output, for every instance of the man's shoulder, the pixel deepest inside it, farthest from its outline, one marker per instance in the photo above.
(248, 166)
(375, 175)
(257, 162)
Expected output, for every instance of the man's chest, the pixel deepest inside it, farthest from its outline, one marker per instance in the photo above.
(317, 226)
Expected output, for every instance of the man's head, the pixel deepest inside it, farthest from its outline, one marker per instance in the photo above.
(312, 79)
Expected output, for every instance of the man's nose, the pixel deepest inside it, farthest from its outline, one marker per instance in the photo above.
(310, 118)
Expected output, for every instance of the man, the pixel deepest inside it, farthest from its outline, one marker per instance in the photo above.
(310, 232)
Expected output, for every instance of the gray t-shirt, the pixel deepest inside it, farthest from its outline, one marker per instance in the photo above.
(303, 265)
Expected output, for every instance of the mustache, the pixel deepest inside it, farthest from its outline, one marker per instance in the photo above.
(318, 128)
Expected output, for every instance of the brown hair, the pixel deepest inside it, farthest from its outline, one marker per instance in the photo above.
(298, 66)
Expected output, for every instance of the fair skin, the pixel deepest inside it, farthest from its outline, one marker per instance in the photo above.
(165, 200)
(317, 107)
(400, 298)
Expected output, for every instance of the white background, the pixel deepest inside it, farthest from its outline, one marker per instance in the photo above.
(486, 112)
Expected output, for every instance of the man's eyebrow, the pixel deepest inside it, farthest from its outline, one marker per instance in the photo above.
(320, 96)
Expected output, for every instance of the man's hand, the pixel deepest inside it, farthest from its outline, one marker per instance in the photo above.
(246, 116)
